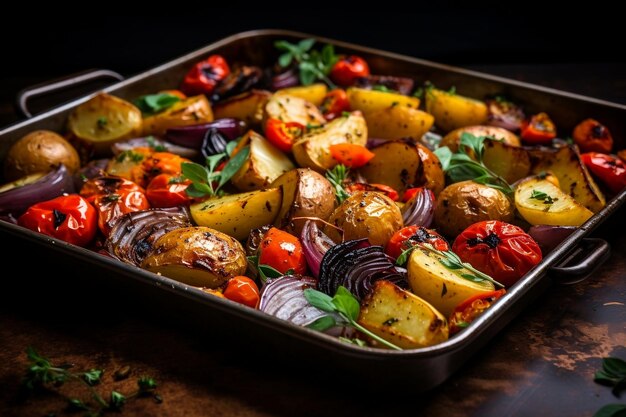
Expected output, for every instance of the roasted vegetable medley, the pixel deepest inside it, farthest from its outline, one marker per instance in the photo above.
(382, 211)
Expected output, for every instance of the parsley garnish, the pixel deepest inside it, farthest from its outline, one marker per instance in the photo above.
(541, 196)
(102, 122)
(313, 65)
(337, 176)
(205, 181)
(129, 154)
(383, 88)
(155, 103)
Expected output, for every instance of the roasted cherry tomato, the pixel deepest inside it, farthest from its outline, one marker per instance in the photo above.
(243, 290)
(538, 130)
(155, 164)
(113, 197)
(167, 190)
(283, 134)
(470, 309)
(410, 193)
(348, 69)
(205, 75)
(353, 187)
(592, 136)
(334, 104)
(350, 154)
(70, 218)
(501, 250)
(282, 251)
(410, 236)
(610, 170)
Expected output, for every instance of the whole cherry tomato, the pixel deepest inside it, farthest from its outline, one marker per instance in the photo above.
(470, 309)
(70, 218)
(410, 236)
(113, 197)
(351, 154)
(501, 250)
(282, 251)
(167, 190)
(348, 69)
(540, 129)
(610, 170)
(334, 104)
(204, 76)
(592, 136)
(243, 290)
(283, 134)
(155, 164)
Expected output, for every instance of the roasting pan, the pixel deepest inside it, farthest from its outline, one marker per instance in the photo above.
(426, 368)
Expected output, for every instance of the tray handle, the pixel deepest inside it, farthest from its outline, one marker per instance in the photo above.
(58, 84)
(593, 251)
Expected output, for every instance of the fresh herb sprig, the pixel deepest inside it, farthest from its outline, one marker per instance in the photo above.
(337, 176)
(343, 306)
(613, 374)
(205, 181)
(42, 373)
(266, 271)
(541, 196)
(467, 163)
(312, 64)
(155, 103)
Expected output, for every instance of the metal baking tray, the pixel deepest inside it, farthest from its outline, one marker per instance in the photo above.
(426, 367)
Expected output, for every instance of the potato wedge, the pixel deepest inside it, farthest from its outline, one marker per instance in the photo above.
(398, 122)
(372, 101)
(510, 162)
(396, 164)
(401, 317)
(237, 214)
(305, 194)
(541, 202)
(442, 287)
(104, 120)
(431, 175)
(313, 93)
(247, 107)
(452, 139)
(197, 256)
(191, 111)
(264, 165)
(312, 150)
(452, 111)
(574, 179)
(293, 109)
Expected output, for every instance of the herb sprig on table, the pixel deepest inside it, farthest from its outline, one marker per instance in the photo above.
(612, 374)
(42, 373)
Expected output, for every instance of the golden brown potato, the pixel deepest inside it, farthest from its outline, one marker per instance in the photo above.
(452, 111)
(431, 175)
(372, 101)
(396, 164)
(313, 93)
(104, 120)
(305, 194)
(510, 162)
(462, 204)
(452, 139)
(198, 256)
(190, 111)
(398, 122)
(39, 151)
(247, 107)
(293, 109)
(365, 214)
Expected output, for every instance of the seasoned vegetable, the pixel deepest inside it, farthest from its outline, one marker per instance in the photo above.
(191, 111)
(509, 162)
(293, 109)
(282, 251)
(348, 69)
(610, 170)
(452, 111)
(453, 139)
(205, 75)
(313, 93)
(372, 101)
(431, 176)
(398, 122)
(242, 290)
(538, 130)
(470, 309)
(592, 136)
(396, 164)
(246, 106)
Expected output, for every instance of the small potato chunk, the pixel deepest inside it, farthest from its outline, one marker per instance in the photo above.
(313, 93)
(402, 318)
(396, 164)
(264, 165)
(237, 214)
(40, 151)
(305, 194)
(462, 204)
(539, 201)
(365, 214)
(372, 101)
(453, 139)
(293, 109)
(398, 122)
(197, 256)
(442, 287)
(452, 111)
(510, 162)
(432, 176)
(247, 107)
(312, 150)
(191, 111)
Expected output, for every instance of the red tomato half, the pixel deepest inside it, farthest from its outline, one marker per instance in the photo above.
(282, 251)
(348, 69)
(409, 236)
(470, 309)
(610, 170)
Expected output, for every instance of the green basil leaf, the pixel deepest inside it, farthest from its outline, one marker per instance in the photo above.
(319, 300)
(445, 155)
(285, 59)
(611, 410)
(212, 162)
(198, 190)
(346, 303)
(323, 323)
(156, 103)
(194, 172)
(305, 44)
(614, 366)
(233, 165)
(270, 272)
(230, 147)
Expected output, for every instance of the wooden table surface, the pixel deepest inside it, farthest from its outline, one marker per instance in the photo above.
(540, 365)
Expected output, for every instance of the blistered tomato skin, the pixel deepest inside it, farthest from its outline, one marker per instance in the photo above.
(282, 251)
(348, 69)
(243, 290)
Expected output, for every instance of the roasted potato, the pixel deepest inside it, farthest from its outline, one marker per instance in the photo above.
(396, 164)
(372, 101)
(539, 201)
(312, 150)
(574, 178)
(293, 109)
(198, 256)
(237, 214)
(462, 204)
(365, 214)
(247, 107)
(305, 194)
(431, 173)
(452, 111)
(440, 286)
(39, 151)
(104, 120)
(264, 165)
(313, 93)
(510, 162)
(126, 163)
(398, 122)
(401, 317)
(453, 139)
(190, 111)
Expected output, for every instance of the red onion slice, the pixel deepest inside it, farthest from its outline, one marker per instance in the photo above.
(549, 237)
(284, 298)
(152, 142)
(505, 114)
(193, 136)
(420, 209)
(314, 244)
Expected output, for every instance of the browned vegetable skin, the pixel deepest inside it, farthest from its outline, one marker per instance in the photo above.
(431, 174)
(396, 164)
(510, 162)
(247, 107)
(452, 139)
(191, 111)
